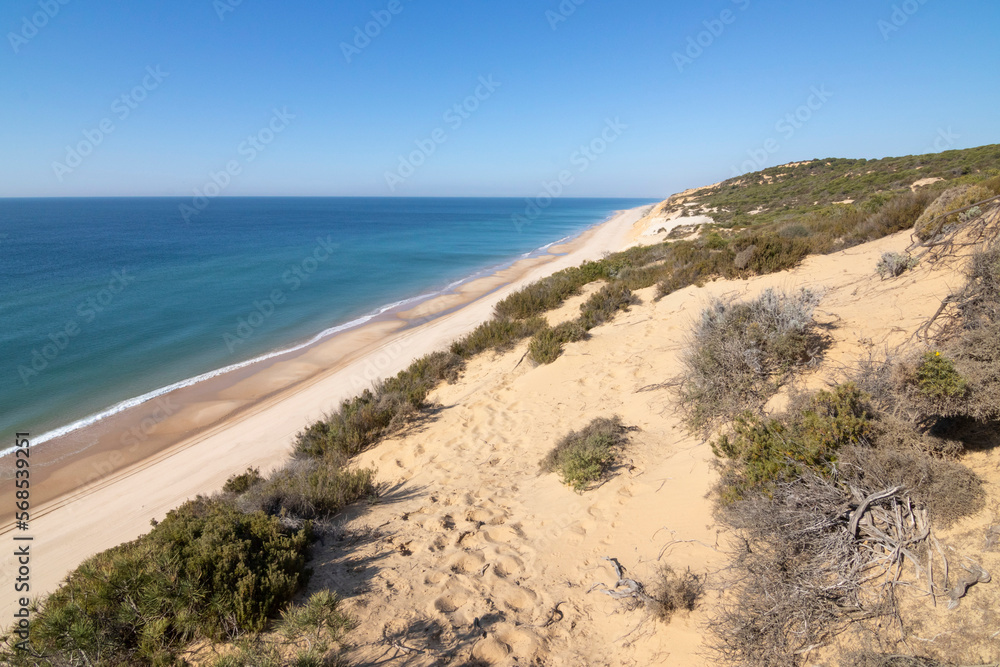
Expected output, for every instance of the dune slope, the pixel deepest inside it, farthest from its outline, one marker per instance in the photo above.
(472, 554)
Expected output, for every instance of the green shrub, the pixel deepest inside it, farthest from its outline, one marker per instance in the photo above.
(714, 241)
(358, 424)
(768, 450)
(205, 571)
(362, 421)
(320, 615)
(310, 488)
(548, 343)
(497, 334)
(937, 377)
(250, 654)
(741, 352)
(547, 293)
(771, 252)
(993, 185)
(605, 303)
(901, 212)
(583, 456)
(240, 483)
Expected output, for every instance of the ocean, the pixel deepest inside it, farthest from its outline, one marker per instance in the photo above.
(108, 302)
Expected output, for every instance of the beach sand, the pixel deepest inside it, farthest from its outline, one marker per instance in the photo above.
(101, 486)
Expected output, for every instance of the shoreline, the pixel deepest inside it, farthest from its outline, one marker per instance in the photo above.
(142, 427)
(393, 307)
(251, 420)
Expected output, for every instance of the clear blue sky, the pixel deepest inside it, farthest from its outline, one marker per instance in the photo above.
(929, 84)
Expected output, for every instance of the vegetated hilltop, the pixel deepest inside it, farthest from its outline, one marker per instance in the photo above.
(225, 570)
(813, 189)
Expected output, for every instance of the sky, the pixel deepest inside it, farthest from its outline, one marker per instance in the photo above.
(587, 98)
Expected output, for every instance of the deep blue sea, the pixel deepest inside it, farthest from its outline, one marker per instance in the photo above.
(103, 301)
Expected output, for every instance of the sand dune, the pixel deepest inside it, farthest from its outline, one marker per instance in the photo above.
(468, 531)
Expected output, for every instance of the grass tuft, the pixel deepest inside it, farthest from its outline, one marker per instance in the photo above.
(675, 592)
(583, 457)
(547, 345)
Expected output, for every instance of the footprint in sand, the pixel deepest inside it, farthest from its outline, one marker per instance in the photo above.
(575, 533)
(506, 566)
(490, 650)
(454, 598)
(517, 598)
(485, 516)
(437, 544)
(446, 604)
(470, 562)
(521, 642)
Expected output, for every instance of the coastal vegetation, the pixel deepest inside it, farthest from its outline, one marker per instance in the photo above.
(585, 456)
(832, 498)
(743, 351)
(226, 568)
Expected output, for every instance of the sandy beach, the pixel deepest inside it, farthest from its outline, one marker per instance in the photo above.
(100, 487)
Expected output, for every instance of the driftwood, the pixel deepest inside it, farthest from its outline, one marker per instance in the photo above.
(624, 588)
(974, 575)
(853, 530)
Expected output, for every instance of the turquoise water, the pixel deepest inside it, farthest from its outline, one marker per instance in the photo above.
(105, 301)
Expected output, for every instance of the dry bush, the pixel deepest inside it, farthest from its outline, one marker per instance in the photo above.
(790, 490)
(873, 659)
(980, 298)
(790, 585)
(898, 434)
(953, 392)
(742, 352)
(933, 223)
(948, 489)
(675, 591)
